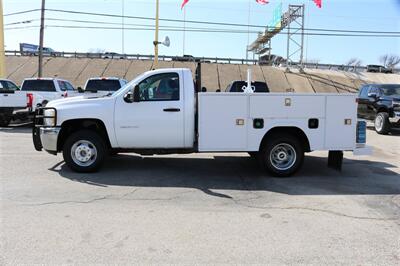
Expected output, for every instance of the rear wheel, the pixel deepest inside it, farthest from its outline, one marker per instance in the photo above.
(4, 121)
(382, 123)
(282, 155)
(84, 151)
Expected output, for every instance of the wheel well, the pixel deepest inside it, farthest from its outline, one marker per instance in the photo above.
(293, 131)
(71, 126)
(382, 110)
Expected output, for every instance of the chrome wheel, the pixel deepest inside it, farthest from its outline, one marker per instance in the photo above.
(83, 153)
(283, 156)
(378, 123)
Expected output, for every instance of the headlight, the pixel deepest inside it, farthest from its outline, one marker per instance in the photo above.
(51, 120)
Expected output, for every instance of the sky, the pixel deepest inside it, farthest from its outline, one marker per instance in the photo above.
(370, 15)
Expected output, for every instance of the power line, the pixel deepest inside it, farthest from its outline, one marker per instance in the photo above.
(212, 23)
(177, 29)
(188, 21)
(21, 12)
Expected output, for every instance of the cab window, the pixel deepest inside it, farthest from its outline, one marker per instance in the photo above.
(160, 87)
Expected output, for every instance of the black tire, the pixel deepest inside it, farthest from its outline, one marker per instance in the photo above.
(5, 121)
(382, 124)
(89, 140)
(275, 146)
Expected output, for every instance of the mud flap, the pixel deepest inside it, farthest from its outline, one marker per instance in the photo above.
(335, 160)
(36, 138)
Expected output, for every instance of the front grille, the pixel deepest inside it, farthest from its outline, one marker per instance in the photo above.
(38, 119)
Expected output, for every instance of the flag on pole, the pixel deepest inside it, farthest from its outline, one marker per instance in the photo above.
(262, 2)
(184, 3)
(318, 3)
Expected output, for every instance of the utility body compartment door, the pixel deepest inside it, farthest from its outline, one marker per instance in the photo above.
(341, 122)
(223, 122)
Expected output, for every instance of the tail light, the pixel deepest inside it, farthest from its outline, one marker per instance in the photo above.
(29, 99)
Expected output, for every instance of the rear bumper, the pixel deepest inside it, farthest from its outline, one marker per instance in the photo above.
(49, 138)
(362, 150)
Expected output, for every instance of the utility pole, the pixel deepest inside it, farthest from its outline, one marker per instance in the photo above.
(2, 52)
(155, 65)
(123, 26)
(41, 39)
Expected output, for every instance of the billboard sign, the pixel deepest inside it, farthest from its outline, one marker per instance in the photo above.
(276, 21)
(26, 47)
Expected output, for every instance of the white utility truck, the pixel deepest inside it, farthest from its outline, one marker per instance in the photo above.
(160, 112)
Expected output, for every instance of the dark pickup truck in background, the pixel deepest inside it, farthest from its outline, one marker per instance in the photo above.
(381, 104)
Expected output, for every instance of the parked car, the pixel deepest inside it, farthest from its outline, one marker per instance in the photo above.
(237, 86)
(40, 91)
(112, 55)
(378, 69)
(160, 113)
(380, 103)
(103, 86)
(11, 100)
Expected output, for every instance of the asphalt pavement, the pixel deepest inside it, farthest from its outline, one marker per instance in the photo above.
(198, 209)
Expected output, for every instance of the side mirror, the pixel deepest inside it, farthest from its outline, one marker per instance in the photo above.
(136, 94)
(80, 90)
(128, 97)
(372, 95)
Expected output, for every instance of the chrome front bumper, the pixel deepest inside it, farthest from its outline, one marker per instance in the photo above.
(396, 118)
(49, 138)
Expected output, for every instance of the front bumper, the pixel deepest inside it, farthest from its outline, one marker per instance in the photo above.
(395, 119)
(49, 138)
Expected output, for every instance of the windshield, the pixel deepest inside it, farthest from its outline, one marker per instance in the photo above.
(391, 90)
(130, 84)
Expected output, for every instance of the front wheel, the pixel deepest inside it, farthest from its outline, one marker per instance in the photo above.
(282, 155)
(382, 123)
(84, 151)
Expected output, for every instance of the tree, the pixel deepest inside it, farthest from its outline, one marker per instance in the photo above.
(390, 61)
(354, 62)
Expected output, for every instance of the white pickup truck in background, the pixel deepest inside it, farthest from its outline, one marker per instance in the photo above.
(159, 112)
(11, 100)
(40, 91)
(102, 86)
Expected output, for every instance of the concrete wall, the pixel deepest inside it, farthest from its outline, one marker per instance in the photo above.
(214, 76)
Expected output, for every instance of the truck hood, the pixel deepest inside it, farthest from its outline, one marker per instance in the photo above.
(78, 101)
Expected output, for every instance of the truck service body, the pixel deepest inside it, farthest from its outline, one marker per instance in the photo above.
(160, 112)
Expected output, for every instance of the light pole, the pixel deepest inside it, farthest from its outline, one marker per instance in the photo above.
(41, 39)
(2, 52)
(155, 65)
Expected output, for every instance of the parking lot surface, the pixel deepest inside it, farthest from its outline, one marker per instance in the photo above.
(203, 209)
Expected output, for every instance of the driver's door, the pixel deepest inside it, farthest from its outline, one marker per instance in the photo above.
(157, 120)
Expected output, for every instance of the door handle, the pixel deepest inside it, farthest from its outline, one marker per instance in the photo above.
(172, 110)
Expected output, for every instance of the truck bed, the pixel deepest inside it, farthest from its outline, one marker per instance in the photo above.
(226, 119)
